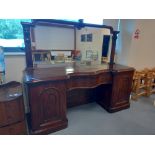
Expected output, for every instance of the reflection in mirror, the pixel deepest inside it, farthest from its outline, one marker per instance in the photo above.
(95, 44)
(106, 48)
(41, 57)
(54, 37)
(66, 44)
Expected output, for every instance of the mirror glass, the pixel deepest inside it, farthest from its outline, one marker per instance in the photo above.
(60, 44)
(92, 43)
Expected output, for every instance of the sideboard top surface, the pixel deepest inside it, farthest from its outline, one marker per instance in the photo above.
(63, 72)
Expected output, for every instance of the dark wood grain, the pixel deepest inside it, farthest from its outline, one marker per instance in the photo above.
(12, 114)
(113, 48)
(115, 97)
(65, 72)
(51, 90)
(27, 40)
(11, 111)
(48, 106)
(81, 96)
(14, 129)
(90, 81)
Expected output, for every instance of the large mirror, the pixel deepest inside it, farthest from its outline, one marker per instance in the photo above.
(64, 43)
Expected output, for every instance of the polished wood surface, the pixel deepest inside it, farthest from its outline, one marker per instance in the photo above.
(51, 90)
(10, 91)
(63, 72)
(12, 114)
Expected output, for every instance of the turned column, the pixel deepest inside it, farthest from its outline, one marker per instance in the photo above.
(27, 41)
(114, 39)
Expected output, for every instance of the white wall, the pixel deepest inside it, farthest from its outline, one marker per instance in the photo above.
(14, 66)
(137, 53)
(124, 41)
(142, 52)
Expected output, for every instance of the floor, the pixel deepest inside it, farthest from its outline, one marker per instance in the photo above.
(91, 119)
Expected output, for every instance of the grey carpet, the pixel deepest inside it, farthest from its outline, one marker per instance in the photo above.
(91, 119)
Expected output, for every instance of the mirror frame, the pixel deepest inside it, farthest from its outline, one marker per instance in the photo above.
(28, 31)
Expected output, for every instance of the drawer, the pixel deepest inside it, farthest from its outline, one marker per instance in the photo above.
(14, 129)
(90, 81)
(11, 112)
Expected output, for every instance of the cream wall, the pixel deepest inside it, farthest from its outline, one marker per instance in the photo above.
(124, 41)
(142, 52)
(14, 66)
(137, 53)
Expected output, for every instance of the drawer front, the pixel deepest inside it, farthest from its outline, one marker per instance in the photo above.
(14, 129)
(11, 112)
(91, 81)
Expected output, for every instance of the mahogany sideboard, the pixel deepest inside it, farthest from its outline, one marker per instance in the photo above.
(51, 90)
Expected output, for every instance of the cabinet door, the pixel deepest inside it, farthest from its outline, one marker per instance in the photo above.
(11, 111)
(48, 106)
(121, 90)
